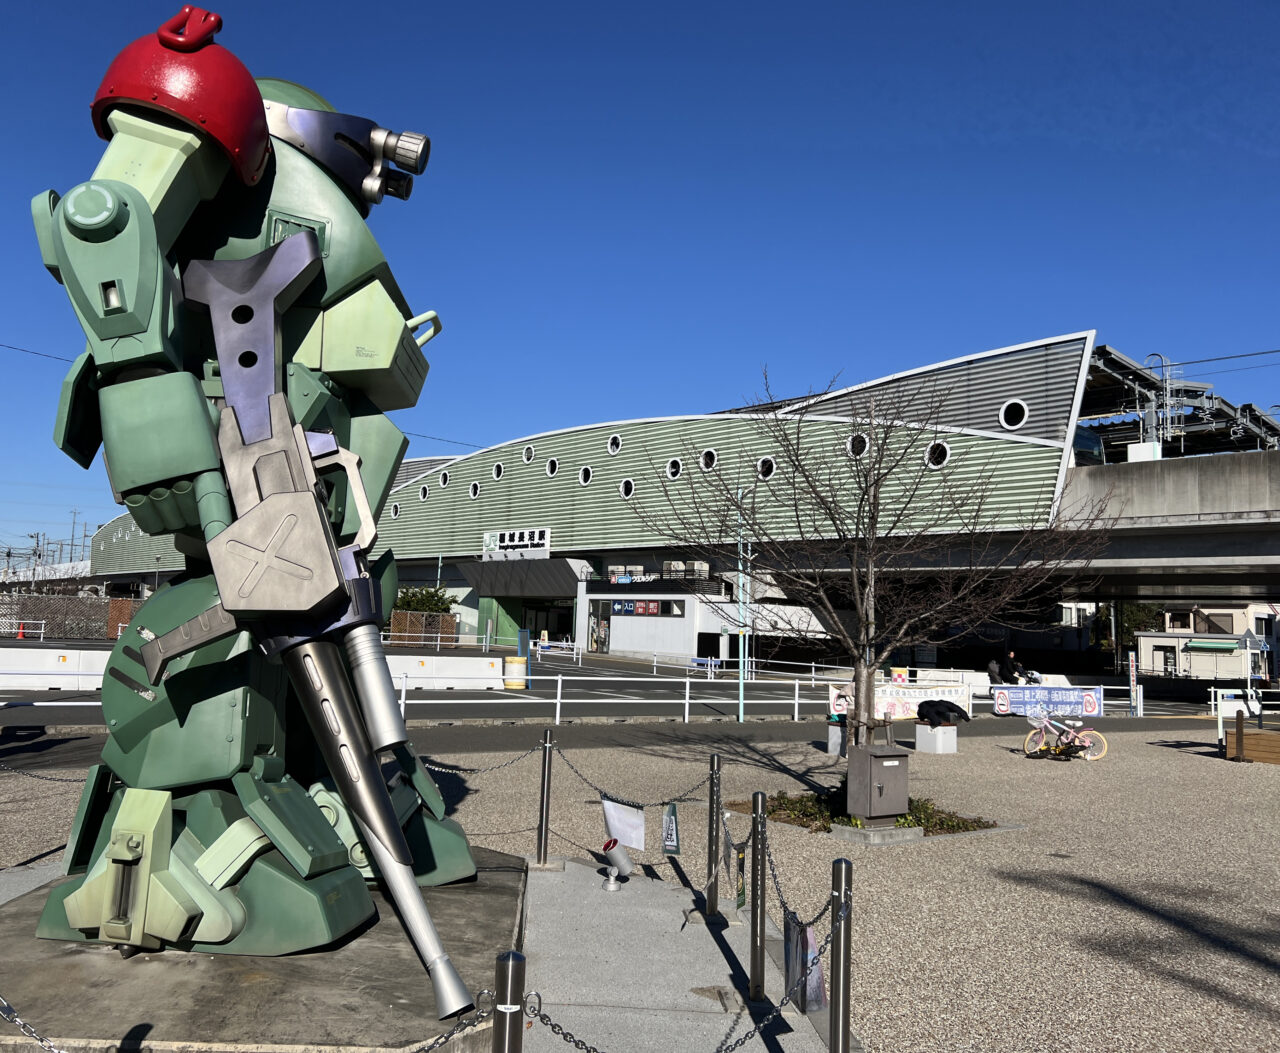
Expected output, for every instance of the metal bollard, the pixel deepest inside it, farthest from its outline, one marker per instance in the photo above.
(1240, 757)
(841, 878)
(755, 990)
(508, 1003)
(713, 838)
(544, 803)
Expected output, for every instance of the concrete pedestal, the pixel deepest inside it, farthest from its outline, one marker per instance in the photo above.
(836, 739)
(935, 740)
(368, 993)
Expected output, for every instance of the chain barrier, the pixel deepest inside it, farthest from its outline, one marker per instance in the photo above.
(465, 1024)
(10, 1014)
(629, 803)
(540, 1015)
(777, 887)
(480, 771)
(33, 775)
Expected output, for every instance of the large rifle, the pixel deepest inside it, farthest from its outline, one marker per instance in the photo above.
(281, 573)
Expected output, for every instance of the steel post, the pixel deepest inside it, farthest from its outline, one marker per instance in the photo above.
(841, 878)
(686, 700)
(713, 838)
(544, 801)
(755, 991)
(559, 694)
(508, 1003)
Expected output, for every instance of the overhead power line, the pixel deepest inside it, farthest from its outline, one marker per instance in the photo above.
(437, 438)
(38, 354)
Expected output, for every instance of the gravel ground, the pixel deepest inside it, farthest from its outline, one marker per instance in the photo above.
(1131, 907)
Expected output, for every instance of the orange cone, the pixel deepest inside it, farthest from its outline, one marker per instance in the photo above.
(21, 634)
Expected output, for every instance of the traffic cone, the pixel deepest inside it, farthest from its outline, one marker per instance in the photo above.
(21, 634)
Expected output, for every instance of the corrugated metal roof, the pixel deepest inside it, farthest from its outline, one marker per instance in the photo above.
(121, 548)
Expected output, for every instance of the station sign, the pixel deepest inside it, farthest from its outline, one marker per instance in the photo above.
(519, 543)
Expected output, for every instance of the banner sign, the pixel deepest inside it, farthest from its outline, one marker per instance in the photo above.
(624, 822)
(899, 702)
(670, 831)
(529, 543)
(1040, 701)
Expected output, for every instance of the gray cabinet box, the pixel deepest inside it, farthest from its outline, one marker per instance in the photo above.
(877, 781)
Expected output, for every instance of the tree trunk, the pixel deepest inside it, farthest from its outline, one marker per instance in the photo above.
(864, 704)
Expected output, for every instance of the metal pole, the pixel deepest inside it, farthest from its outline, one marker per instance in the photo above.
(686, 700)
(795, 712)
(544, 803)
(1240, 757)
(559, 692)
(742, 622)
(841, 878)
(713, 838)
(508, 1002)
(755, 991)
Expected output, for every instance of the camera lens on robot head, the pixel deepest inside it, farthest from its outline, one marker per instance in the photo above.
(408, 150)
(397, 184)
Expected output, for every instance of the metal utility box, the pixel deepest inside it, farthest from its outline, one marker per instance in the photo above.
(877, 782)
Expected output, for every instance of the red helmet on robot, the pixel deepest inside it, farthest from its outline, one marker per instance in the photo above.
(179, 70)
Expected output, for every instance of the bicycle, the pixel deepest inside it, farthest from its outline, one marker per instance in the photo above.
(1073, 739)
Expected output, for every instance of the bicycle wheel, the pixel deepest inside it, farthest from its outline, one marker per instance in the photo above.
(1095, 746)
(1034, 742)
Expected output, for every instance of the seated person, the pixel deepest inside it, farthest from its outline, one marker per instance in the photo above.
(1011, 671)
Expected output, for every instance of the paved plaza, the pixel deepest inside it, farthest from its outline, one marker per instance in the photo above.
(1128, 904)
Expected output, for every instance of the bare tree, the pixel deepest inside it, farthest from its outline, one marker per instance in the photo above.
(889, 527)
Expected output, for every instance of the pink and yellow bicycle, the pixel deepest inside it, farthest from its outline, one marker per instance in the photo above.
(1072, 739)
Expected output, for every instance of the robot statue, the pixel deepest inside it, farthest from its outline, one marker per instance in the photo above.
(245, 337)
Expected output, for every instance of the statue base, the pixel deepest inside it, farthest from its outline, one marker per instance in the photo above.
(367, 992)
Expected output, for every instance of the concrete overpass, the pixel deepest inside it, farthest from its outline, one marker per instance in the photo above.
(1203, 528)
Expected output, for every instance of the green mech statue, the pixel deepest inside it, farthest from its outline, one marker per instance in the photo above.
(245, 337)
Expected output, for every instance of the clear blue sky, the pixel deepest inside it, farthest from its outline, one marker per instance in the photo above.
(633, 209)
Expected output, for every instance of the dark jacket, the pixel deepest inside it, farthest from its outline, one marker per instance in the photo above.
(1011, 670)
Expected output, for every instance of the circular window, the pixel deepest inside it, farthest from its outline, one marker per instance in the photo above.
(528, 454)
(553, 466)
(938, 454)
(856, 445)
(708, 460)
(444, 479)
(584, 475)
(765, 467)
(626, 489)
(475, 491)
(497, 471)
(1014, 414)
(674, 468)
(615, 444)
(423, 492)
(395, 511)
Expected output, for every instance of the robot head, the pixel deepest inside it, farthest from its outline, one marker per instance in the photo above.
(180, 71)
(355, 151)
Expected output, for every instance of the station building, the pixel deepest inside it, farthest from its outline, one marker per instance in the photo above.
(567, 533)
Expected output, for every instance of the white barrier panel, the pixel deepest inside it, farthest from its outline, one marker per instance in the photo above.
(50, 669)
(440, 672)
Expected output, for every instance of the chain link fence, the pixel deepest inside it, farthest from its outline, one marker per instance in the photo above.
(66, 617)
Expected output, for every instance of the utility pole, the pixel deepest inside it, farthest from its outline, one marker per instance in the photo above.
(74, 513)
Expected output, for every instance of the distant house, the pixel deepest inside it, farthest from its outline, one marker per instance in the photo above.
(1222, 642)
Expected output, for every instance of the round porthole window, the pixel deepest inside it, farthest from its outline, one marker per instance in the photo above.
(528, 454)
(709, 460)
(856, 445)
(674, 468)
(444, 479)
(553, 466)
(475, 491)
(395, 511)
(615, 445)
(423, 492)
(584, 476)
(938, 454)
(626, 489)
(497, 471)
(1014, 414)
(765, 467)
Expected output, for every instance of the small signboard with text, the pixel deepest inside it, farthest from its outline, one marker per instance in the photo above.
(529, 543)
(1030, 700)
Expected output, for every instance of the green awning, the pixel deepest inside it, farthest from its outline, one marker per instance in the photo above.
(1212, 645)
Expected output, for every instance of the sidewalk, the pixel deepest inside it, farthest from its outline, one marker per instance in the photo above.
(638, 969)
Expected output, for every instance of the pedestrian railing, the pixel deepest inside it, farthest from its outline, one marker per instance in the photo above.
(22, 629)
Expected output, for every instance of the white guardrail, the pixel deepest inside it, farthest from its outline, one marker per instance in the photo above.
(21, 629)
